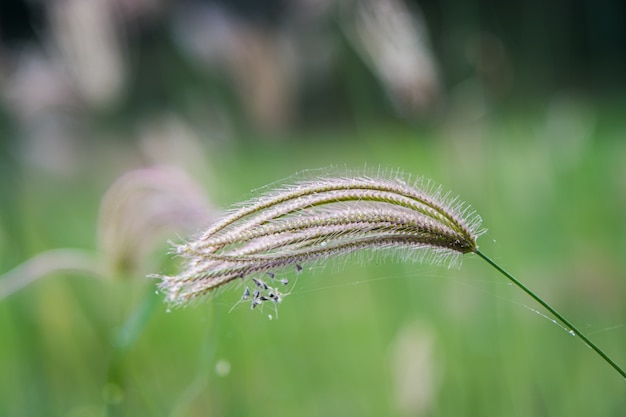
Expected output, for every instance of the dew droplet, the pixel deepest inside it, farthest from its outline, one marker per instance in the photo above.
(572, 333)
(269, 316)
(222, 367)
(168, 310)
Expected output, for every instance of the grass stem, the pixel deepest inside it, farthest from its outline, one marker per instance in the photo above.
(547, 306)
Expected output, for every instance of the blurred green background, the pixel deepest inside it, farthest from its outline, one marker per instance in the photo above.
(518, 108)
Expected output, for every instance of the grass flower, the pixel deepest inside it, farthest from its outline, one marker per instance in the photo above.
(326, 217)
(141, 208)
(136, 212)
(322, 218)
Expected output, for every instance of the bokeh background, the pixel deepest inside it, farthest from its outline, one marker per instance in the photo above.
(126, 123)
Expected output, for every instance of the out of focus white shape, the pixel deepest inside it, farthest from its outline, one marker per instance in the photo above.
(85, 35)
(393, 41)
(415, 369)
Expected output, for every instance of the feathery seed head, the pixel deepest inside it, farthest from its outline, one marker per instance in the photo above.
(143, 206)
(318, 219)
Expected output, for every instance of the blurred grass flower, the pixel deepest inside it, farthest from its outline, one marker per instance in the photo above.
(136, 213)
(141, 208)
(415, 369)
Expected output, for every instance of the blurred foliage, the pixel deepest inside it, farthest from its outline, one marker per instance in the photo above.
(66, 349)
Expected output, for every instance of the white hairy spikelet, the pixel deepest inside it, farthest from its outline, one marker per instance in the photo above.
(319, 218)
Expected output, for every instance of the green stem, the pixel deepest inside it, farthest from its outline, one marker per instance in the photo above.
(569, 325)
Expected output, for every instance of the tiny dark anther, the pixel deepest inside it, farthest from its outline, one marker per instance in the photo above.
(260, 283)
(246, 294)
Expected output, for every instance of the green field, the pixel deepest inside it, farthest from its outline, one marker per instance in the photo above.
(363, 336)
